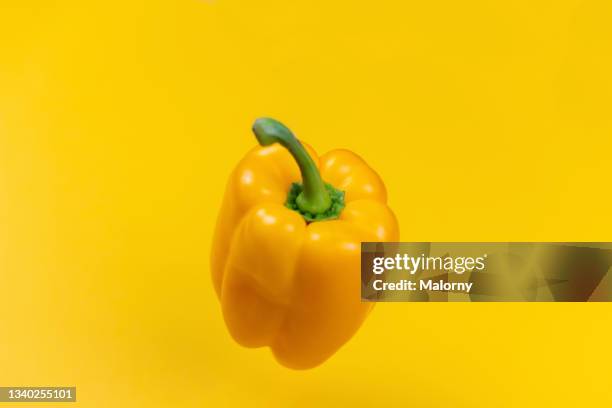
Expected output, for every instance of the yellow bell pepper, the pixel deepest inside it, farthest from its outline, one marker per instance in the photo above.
(286, 255)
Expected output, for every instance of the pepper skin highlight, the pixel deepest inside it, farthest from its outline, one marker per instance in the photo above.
(286, 255)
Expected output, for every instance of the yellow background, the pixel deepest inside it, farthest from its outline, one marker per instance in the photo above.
(121, 120)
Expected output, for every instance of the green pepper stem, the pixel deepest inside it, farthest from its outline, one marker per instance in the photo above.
(314, 198)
